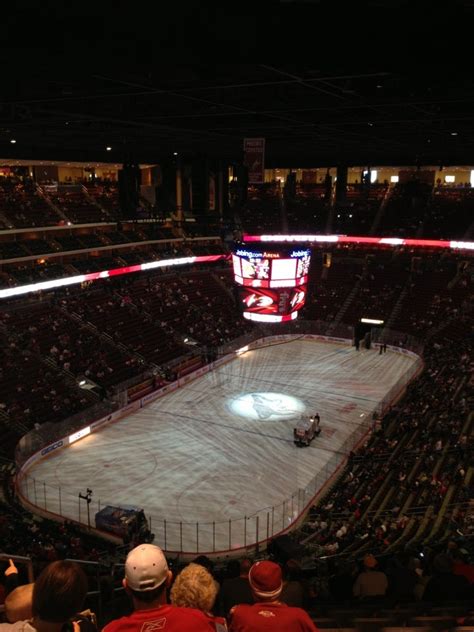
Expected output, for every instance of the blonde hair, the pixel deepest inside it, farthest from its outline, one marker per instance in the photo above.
(194, 588)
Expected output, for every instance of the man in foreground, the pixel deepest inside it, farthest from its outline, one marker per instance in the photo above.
(146, 579)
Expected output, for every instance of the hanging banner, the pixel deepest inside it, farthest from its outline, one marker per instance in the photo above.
(254, 155)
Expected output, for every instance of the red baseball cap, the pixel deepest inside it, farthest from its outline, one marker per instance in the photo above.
(265, 579)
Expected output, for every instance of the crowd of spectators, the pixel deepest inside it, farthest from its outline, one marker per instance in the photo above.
(46, 540)
(331, 287)
(411, 209)
(397, 590)
(53, 344)
(418, 463)
(262, 212)
(31, 391)
(78, 206)
(73, 348)
(449, 214)
(382, 280)
(24, 206)
(22, 273)
(185, 598)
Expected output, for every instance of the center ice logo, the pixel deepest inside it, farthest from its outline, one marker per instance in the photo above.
(267, 406)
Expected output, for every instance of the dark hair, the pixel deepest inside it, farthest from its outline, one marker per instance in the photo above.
(59, 592)
(233, 568)
(203, 560)
(148, 596)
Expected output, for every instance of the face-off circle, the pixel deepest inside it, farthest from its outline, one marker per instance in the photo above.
(267, 406)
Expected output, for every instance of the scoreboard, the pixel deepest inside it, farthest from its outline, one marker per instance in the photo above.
(272, 283)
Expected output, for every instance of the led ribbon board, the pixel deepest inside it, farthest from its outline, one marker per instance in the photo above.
(94, 276)
(376, 241)
(323, 239)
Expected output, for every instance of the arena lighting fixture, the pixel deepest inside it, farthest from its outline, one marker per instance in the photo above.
(79, 434)
(372, 321)
(108, 148)
(13, 141)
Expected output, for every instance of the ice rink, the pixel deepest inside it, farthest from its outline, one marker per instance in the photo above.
(221, 448)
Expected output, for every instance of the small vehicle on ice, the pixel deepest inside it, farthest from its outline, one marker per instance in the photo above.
(306, 429)
(127, 521)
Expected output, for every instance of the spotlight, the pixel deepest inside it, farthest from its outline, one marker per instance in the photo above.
(175, 153)
(108, 148)
(13, 141)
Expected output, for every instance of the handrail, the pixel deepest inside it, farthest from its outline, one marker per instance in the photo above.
(21, 559)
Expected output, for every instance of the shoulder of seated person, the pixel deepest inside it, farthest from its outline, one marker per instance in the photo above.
(18, 626)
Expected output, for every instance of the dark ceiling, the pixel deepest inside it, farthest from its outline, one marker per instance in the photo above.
(349, 105)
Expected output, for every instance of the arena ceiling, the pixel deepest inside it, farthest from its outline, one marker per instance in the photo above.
(350, 105)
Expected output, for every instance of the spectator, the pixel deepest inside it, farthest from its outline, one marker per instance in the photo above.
(58, 595)
(293, 592)
(18, 604)
(341, 583)
(268, 613)
(444, 585)
(370, 582)
(11, 577)
(146, 579)
(236, 590)
(461, 566)
(196, 588)
(402, 579)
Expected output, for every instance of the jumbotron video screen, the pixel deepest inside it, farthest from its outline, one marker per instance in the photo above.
(273, 283)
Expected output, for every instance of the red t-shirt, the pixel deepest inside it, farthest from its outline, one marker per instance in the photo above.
(219, 623)
(274, 617)
(467, 570)
(167, 618)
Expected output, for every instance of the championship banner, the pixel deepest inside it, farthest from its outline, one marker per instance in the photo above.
(254, 155)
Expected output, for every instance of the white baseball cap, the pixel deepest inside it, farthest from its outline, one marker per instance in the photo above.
(145, 567)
